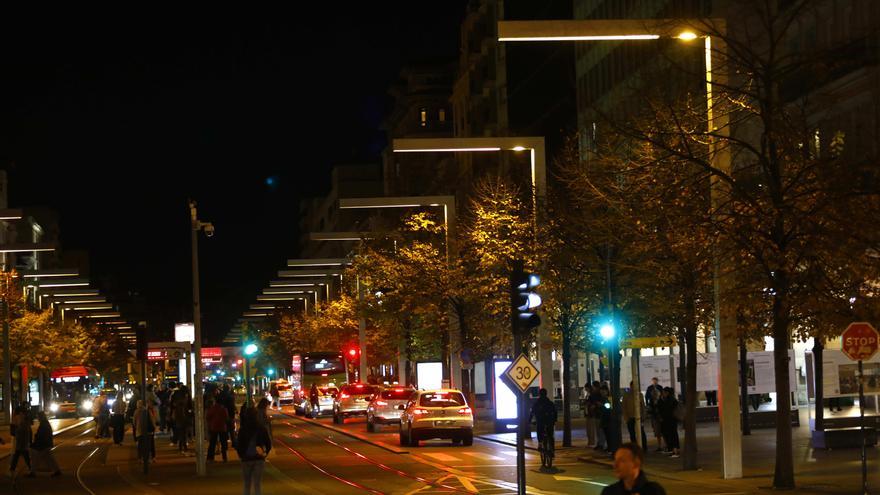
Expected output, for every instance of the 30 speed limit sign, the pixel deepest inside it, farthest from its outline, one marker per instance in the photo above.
(521, 373)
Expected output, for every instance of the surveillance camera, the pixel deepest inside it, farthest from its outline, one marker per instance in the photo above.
(209, 230)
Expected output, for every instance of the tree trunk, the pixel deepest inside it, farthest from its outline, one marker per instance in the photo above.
(744, 387)
(566, 385)
(689, 460)
(682, 365)
(819, 382)
(783, 476)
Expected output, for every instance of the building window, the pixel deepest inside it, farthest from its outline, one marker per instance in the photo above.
(423, 117)
(442, 115)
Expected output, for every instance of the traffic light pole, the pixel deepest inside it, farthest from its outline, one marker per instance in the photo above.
(517, 273)
(199, 409)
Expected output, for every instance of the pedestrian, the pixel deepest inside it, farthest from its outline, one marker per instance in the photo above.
(181, 409)
(22, 441)
(145, 428)
(226, 399)
(594, 401)
(117, 418)
(605, 418)
(254, 444)
(42, 446)
(668, 407)
(276, 396)
(97, 413)
(629, 413)
(164, 394)
(628, 468)
(216, 417)
(652, 396)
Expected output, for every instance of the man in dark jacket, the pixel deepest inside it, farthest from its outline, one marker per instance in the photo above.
(216, 417)
(628, 469)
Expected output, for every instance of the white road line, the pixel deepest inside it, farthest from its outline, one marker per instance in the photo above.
(443, 457)
(481, 455)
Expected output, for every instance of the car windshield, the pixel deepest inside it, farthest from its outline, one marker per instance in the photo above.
(397, 393)
(442, 399)
(359, 389)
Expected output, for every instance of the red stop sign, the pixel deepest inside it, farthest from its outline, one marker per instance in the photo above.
(859, 341)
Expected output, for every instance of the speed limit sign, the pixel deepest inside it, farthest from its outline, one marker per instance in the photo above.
(521, 373)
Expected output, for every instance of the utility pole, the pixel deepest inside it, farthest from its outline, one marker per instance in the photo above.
(7, 354)
(201, 459)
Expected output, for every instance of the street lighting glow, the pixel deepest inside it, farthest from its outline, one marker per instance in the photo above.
(428, 150)
(687, 36)
(611, 37)
(606, 331)
(250, 349)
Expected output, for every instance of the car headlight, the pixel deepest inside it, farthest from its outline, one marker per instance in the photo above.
(53, 407)
(87, 404)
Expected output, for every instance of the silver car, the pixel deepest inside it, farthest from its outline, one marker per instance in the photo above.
(352, 400)
(325, 402)
(436, 414)
(383, 406)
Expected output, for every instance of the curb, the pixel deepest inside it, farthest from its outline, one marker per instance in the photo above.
(55, 433)
(356, 436)
(503, 442)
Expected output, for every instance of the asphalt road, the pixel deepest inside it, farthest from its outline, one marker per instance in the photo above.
(311, 458)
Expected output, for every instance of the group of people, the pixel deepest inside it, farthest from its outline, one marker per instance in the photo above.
(34, 448)
(660, 407)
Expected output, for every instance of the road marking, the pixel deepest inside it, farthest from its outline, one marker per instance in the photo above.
(443, 457)
(79, 468)
(578, 480)
(481, 455)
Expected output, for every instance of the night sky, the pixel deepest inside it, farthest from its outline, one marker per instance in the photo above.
(115, 118)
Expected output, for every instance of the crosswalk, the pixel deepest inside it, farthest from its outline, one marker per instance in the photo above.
(463, 457)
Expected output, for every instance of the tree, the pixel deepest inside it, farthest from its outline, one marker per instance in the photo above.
(789, 213)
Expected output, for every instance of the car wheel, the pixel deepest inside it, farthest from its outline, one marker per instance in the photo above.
(298, 411)
(468, 438)
(413, 438)
(403, 440)
(371, 427)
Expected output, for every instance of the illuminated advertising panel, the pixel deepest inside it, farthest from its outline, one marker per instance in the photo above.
(184, 332)
(429, 376)
(505, 399)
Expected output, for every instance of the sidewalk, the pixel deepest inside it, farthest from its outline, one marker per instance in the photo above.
(816, 471)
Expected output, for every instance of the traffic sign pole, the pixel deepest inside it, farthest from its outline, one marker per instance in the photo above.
(859, 342)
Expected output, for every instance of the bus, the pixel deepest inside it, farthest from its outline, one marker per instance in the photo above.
(73, 388)
(324, 369)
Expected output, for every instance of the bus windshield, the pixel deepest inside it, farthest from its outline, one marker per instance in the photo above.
(317, 366)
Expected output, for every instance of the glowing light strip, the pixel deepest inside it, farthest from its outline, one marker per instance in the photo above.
(427, 150)
(610, 37)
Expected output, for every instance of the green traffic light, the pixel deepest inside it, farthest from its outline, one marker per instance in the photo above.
(607, 331)
(250, 349)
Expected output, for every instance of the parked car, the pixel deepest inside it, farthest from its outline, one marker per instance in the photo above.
(436, 414)
(352, 400)
(383, 406)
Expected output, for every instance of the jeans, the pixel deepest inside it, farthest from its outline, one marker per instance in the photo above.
(631, 426)
(118, 422)
(252, 471)
(212, 445)
(20, 453)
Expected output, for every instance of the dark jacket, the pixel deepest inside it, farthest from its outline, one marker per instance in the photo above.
(666, 408)
(251, 436)
(544, 411)
(641, 487)
(23, 435)
(217, 417)
(43, 439)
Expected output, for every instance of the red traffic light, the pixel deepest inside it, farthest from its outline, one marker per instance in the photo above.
(352, 352)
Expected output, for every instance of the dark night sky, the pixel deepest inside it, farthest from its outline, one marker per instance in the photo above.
(115, 122)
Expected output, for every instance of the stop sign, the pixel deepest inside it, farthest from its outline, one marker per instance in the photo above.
(859, 341)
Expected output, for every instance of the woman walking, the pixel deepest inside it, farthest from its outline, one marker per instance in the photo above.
(254, 445)
(23, 436)
(117, 418)
(42, 446)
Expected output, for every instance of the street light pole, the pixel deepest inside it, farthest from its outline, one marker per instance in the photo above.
(201, 459)
(7, 354)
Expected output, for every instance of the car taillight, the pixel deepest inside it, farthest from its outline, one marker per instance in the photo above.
(464, 410)
(380, 403)
(343, 395)
(420, 411)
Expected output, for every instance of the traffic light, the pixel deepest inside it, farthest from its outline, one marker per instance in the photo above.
(353, 353)
(524, 300)
(250, 349)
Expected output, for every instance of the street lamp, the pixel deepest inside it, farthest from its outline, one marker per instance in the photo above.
(713, 32)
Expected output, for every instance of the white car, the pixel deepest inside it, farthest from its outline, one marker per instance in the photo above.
(436, 414)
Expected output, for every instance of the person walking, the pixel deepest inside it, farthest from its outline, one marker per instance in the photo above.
(22, 442)
(117, 418)
(227, 400)
(216, 417)
(605, 418)
(164, 396)
(276, 396)
(544, 412)
(594, 413)
(254, 445)
(181, 405)
(652, 397)
(314, 400)
(145, 428)
(42, 446)
(628, 468)
(97, 413)
(668, 406)
(263, 416)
